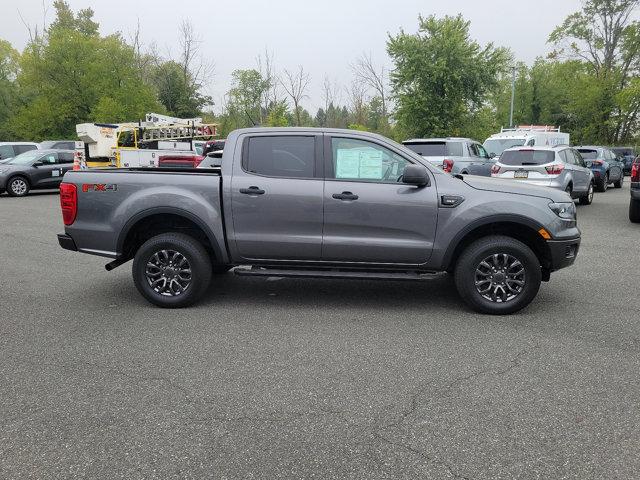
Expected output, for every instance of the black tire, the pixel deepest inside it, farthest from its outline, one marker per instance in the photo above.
(470, 263)
(634, 211)
(604, 183)
(218, 269)
(588, 198)
(18, 186)
(198, 263)
(620, 182)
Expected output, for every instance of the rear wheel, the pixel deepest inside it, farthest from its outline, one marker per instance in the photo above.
(172, 270)
(17, 187)
(498, 275)
(620, 182)
(588, 198)
(634, 211)
(604, 183)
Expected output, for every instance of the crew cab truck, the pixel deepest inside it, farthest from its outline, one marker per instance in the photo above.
(293, 202)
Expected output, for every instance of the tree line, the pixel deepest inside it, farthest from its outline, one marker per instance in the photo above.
(441, 82)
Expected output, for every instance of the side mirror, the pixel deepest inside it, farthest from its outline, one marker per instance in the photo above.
(37, 164)
(415, 175)
(492, 154)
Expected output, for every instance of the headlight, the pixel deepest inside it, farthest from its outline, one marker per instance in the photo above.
(566, 211)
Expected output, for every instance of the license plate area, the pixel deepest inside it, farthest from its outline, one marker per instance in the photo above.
(521, 174)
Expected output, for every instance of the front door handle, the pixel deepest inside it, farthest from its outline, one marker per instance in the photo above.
(253, 190)
(345, 196)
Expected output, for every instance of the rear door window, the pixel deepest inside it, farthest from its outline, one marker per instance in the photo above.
(428, 149)
(65, 157)
(278, 156)
(65, 145)
(527, 157)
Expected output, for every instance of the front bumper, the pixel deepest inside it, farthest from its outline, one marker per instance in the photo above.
(67, 242)
(563, 252)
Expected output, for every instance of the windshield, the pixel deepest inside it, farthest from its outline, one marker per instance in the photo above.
(527, 157)
(495, 146)
(588, 154)
(25, 158)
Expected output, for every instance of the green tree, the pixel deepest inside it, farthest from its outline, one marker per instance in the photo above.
(9, 68)
(245, 97)
(441, 76)
(72, 75)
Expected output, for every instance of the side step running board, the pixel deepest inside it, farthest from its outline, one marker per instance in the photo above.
(344, 274)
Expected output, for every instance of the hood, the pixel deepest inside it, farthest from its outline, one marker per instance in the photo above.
(491, 184)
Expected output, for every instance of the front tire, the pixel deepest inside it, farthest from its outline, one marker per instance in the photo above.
(18, 186)
(172, 270)
(498, 275)
(634, 211)
(588, 198)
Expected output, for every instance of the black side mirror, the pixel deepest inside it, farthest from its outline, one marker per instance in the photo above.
(492, 154)
(37, 164)
(415, 175)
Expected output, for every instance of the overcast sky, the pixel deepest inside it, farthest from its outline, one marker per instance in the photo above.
(323, 36)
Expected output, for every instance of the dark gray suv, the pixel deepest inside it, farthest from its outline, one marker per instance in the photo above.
(453, 154)
(34, 169)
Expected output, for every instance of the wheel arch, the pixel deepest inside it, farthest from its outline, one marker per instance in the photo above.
(155, 221)
(520, 228)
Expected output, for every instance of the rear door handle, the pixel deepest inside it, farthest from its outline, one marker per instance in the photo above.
(345, 196)
(253, 190)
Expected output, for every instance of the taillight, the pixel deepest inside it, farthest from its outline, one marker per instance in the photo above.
(597, 162)
(68, 202)
(495, 169)
(555, 169)
(447, 165)
(635, 171)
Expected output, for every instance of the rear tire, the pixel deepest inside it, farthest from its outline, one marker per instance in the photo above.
(471, 275)
(172, 270)
(634, 211)
(620, 182)
(588, 198)
(18, 186)
(604, 183)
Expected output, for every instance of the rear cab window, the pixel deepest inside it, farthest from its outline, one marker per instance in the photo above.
(527, 157)
(280, 156)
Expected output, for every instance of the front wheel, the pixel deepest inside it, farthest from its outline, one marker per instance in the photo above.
(634, 211)
(17, 187)
(498, 275)
(172, 270)
(588, 198)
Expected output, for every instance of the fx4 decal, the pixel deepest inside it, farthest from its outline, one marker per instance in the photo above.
(99, 187)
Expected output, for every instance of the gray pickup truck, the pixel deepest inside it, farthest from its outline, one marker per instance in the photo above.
(325, 203)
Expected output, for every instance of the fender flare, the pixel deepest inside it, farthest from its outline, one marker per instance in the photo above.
(124, 232)
(481, 222)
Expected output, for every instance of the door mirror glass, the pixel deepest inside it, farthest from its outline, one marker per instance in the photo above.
(415, 175)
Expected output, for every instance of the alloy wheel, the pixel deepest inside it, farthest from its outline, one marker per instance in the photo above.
(19, 186)
(500, 277)
(168, 273)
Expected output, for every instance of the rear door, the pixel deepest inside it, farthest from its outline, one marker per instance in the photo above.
(581, 173)
(65, 163)
(370, 216)
(277, 195)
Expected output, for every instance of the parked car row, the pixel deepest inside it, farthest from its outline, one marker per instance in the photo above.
(34, 169)
(8, 150)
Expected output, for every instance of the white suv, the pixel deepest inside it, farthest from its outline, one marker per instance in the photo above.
(8, 150)
(560, 167)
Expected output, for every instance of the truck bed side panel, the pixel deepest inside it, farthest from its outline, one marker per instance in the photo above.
(105, 215)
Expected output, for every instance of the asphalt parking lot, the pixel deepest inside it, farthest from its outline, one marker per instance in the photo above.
(318, 379)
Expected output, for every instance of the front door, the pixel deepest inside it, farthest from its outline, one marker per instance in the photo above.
(276, 195)
(46, 175)
(370, 216)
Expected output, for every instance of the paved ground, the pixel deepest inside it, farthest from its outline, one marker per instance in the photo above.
(315, 379)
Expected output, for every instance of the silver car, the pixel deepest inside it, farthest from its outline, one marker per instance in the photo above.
(560, 167)
(453, 154)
